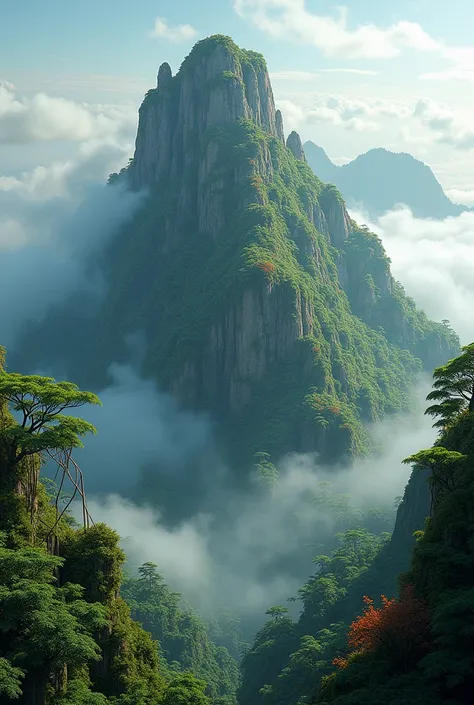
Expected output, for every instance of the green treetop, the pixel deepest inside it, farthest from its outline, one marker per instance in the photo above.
(38, 403)
(453, 388)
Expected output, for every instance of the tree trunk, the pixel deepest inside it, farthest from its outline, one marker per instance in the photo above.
(34, 687)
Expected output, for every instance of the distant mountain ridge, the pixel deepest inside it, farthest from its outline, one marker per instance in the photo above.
(380, 180)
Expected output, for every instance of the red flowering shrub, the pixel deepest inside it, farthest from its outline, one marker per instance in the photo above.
(399, 629)
(267, 267)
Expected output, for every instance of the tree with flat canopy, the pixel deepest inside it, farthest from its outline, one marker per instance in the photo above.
(442, 464)
(37, 404)
(453, 388)
(33, 424)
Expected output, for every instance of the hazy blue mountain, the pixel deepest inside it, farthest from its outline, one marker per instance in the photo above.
(380, 180)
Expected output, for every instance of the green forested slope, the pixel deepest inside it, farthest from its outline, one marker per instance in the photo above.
(66, 634)
(417, 648)
(282, 321)
(421, 648)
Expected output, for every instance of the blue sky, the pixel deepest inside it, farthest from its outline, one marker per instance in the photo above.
(346, 90)
(53, 39)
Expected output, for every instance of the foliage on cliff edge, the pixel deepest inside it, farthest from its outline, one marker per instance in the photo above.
(66, 635)
(419, 648)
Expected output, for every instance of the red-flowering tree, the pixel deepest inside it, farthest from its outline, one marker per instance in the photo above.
(398, 629)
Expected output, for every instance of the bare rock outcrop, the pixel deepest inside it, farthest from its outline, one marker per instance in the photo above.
(295, 146)
(217, 85)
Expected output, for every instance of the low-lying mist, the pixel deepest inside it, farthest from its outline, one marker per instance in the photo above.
(247, 551)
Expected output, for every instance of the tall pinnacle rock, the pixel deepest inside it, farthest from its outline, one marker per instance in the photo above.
(164, 76)
(218, 84)
(295, 145)
(279, 126)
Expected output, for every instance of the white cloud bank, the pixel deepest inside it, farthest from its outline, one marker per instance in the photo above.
(53, 222)
(434, 260)
(273, 535)
(44, 118)
(291, 19)
(331, 34)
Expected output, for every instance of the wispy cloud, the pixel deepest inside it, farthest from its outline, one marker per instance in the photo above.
(296, 76)
(307, 76)
(346, 112)
(459, 74)
(446, 126)
(359, 72)
(291, 19)
(460, 195)
(44, 118)
(175, 34)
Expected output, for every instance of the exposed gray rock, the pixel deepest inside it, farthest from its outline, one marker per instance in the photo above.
(164, 76)
(213, 88)
(295, 145)
(253, 334)
(279, 126)
(337, 217)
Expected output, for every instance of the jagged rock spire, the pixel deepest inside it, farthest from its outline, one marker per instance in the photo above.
(295, 145)
(279, 126)
(217, 84)
(164, 75)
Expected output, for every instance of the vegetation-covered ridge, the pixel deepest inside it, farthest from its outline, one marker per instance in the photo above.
(204, 48)
(355, 337)
(413, 649)
(419, 648)
(66, 635)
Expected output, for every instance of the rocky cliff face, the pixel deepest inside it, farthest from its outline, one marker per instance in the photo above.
(217, 85)
(295, 146)
(258, 298)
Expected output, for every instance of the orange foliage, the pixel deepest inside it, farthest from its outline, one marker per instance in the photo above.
(267, 267)
(334, 409)
(316, 348)
(395, 623)
(339, 662)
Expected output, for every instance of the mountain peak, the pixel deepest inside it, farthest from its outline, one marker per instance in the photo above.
(319, 161)
(218, 84)
(221, 43)
(295, 146)
(164, 76)
(279, 126)
(379, 180)
(314, 149)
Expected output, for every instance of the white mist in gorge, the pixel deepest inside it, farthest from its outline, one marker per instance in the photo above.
(54, 223)
(139, 425)
(434, 261)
